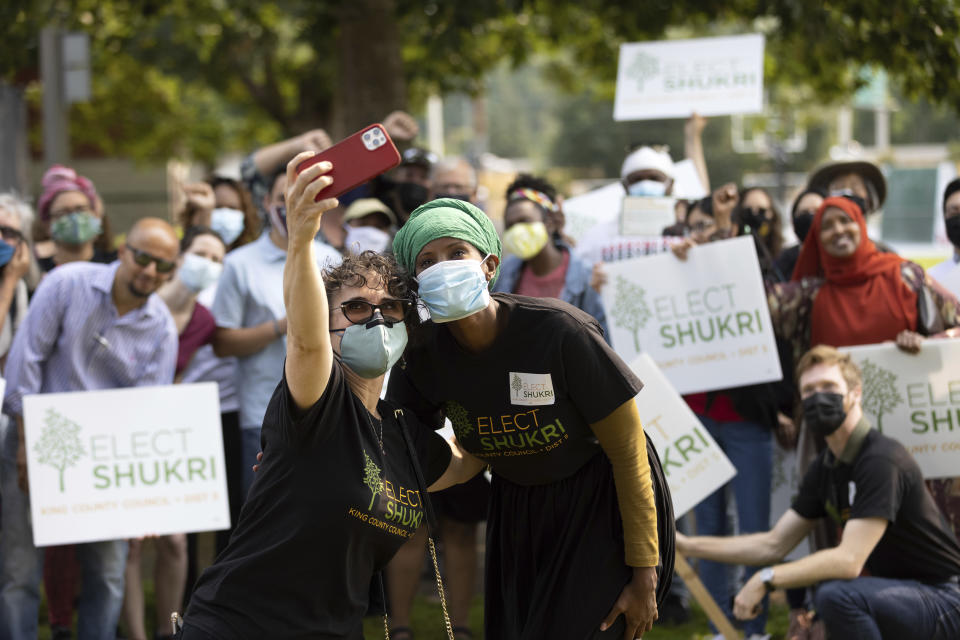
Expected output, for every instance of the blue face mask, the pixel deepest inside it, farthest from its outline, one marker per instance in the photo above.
(227, 223)
(371, 349)
(6, 253)
(454, 289)
(648, 189)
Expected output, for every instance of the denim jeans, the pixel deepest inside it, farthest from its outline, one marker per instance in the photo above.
(21, 568)
(875, 608)
(750, 448)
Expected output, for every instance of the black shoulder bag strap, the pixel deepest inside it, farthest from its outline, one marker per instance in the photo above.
(431, 519)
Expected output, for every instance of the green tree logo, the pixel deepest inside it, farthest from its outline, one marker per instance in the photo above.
(630, 309)
(458, 417)
(880, 393)
(643, 68)
(372, 478)
(59, 444)
(516, 384)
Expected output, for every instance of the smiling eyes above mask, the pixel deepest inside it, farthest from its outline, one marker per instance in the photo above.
(454, 289)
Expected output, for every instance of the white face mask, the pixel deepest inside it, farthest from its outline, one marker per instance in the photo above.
(227, 223)
(198, 273)
(360, 239)
(648, 188)
(454, 289)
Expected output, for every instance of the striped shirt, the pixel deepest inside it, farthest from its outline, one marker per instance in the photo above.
(73, 340)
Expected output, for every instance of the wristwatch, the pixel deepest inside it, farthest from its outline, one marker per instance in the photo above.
(766, 576)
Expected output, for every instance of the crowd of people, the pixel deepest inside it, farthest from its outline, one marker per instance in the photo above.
(343, 333)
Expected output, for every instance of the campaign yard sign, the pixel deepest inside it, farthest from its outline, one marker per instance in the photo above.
(915, 399)
(124, 463)
(674, 78)
(693, 463)
(703, 320)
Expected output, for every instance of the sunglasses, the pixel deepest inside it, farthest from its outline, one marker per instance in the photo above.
(9, 234)
(361, 311)
(144, 259)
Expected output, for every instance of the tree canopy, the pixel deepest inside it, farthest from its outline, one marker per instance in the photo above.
(200, 77)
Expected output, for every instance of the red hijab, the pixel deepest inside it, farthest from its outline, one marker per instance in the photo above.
(864, 299)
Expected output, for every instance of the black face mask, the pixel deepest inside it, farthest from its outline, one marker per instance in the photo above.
(456, 196)
(756, 219)
(801, 225)
(953, 230)
(411, 195)
(823, 412)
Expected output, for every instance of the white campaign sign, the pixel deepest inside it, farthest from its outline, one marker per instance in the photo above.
(704, 321)
(124, 463)
(674, 78)
(693, 463)
(915, 399)
(644, 216)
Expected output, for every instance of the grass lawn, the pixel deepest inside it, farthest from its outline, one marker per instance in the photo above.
(428, 623)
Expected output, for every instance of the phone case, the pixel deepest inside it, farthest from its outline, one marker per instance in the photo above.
(357, 159)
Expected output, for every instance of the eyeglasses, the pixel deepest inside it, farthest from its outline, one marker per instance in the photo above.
(361, 311)
(144, 259)
(702, 226)
(9, 234)
(760, 212)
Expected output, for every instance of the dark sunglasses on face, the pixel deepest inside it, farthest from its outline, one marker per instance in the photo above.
(361, 311)
(144, 259)
(758, 213)
(10, 234)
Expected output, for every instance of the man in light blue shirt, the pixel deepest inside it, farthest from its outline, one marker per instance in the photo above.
(251, 317)
(89, 327)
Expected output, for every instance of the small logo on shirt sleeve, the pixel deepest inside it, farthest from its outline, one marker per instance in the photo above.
(531, 389)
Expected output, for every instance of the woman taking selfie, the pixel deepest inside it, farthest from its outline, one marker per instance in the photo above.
(337, 492)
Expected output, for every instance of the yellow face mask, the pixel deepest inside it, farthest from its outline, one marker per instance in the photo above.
(525, 239)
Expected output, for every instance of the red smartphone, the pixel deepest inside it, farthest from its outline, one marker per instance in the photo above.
(357, 159)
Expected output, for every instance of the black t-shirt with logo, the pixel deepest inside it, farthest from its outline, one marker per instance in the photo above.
(524, 405)
(326, 510)
(885, 482)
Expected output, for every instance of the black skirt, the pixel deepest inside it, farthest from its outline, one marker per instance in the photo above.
(555, 558)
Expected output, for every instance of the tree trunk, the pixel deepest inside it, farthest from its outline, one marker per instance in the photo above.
(370, 68)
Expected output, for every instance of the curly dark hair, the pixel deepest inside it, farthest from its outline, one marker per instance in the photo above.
(527, 181)
(369, 269)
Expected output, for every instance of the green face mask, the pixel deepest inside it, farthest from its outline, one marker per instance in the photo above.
(79, 227)
(371, 349)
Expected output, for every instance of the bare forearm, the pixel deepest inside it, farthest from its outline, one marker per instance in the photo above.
(829, 564)
(751, 549)
(693, 147)
(270, 158)
(247, 340)
(308, 314)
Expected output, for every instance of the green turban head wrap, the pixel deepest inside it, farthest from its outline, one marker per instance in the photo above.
(445, 218)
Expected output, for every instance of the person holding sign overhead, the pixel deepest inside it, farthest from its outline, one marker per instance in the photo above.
(534, 391)
(337, 492)
(89, 327)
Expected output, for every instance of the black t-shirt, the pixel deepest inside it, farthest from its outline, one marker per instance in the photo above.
(525, 404)
(326, 510)
(885, 482)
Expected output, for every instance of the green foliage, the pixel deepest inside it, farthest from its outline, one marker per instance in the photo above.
(201, 78)
(630, 310)
(59, 445)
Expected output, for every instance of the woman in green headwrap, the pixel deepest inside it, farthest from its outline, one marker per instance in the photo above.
(532, 389)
